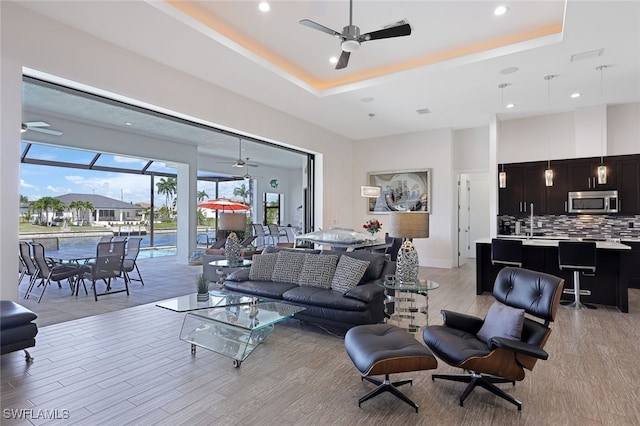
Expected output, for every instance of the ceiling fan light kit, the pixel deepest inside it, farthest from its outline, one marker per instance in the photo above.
(351, 39)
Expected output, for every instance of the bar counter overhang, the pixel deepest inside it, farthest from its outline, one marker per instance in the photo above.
(609, 286)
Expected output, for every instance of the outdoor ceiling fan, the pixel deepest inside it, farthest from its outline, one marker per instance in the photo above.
(246, 175)
(239, 163)
(350, 38)
(39, 126)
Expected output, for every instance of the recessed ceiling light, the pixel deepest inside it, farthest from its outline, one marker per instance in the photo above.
(333, 60)
(576, 95)
(510, 106)
(365, 100)
(264, 6)
(500, 10)
(508, 70)
(128, 123)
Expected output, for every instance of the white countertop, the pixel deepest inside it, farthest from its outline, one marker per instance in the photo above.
(548, 242)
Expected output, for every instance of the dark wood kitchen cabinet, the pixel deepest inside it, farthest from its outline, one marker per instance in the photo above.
(557, 195)
(583, 174)
(525, 185)
(629, 184)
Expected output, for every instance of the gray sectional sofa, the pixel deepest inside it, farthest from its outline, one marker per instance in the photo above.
(336, 291)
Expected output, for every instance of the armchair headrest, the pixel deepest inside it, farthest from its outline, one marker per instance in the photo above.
(535, 292)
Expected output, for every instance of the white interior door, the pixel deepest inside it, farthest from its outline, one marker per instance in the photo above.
(479, 219)
(463, 218)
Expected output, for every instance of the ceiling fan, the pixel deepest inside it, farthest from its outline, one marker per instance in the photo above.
(246, 175)
(39, 126)
(350, 38)
(239, 163)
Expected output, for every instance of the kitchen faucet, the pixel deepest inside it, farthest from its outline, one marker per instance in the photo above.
(531, 224)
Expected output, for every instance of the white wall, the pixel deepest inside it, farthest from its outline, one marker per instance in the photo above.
(623, 129)
(423, 150)
(471, 149)
(570, 135)
(32, 41)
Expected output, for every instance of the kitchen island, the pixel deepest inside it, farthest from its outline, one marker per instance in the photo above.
(609, 286)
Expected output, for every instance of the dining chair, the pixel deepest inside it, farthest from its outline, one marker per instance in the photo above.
(106, 266)
(261, 235)
(28, 268)
(129, 264)
(47, 273)
(276, 233)
(105, 238)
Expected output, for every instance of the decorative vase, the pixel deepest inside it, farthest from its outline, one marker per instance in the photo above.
(407, 263)
(232, 248)
(202, 297)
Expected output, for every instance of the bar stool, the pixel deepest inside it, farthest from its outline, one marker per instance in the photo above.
(506, 252)
(577, 256)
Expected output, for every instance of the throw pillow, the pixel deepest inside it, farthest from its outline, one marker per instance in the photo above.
(262, 266)
(318, 270)
(348, 273)
(288, 266)
(502, 321)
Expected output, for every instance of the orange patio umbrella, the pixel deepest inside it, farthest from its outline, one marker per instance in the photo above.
(223, 204)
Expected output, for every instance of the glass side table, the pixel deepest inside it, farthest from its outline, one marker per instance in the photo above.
(223, 267)
(410, 302)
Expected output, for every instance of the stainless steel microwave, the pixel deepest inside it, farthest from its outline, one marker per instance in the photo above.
(593, 202)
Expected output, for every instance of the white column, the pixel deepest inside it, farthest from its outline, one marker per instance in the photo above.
(187, 207)
(11, 111)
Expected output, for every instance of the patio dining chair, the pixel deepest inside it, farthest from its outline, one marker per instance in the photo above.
(107, 266)
(261, 236)
(28, 268)
(129, 264)
(47, 273)
(276, 233)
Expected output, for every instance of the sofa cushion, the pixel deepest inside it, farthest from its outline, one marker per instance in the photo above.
(327, 298)
(288, 266)
(376, 262)
(348, 273)
(268, 289)
(318, 270)
(262, 266)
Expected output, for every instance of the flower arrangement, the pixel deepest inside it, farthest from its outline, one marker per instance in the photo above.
(372, 226)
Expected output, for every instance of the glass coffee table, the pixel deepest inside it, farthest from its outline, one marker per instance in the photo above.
(217, 298)
(234, 331)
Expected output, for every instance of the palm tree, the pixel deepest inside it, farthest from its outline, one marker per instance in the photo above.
(76, 206)
(24, 199)
(241, 191)
(167, 187)
(47, 203)
(202, 195)
(87, 207)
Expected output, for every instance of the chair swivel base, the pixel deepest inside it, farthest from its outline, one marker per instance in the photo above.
(484, 381)
(387, 386)
(576, 304)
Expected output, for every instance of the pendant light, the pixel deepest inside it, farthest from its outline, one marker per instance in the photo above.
(502, 176)
(548, 173)
(602, 169)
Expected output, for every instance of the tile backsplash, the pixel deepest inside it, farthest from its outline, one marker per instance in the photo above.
(576, 226)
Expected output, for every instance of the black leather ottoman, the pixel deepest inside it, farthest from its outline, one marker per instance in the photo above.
(17, 331)
(378, 349)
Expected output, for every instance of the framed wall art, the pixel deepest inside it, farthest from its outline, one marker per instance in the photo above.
(402, 190)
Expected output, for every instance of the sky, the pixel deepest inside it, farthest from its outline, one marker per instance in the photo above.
(37, 181)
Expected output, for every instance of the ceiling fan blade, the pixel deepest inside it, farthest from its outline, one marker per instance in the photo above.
(36, 124)
(47, 131)
(397, 31)
(316, 26)
(343, 61)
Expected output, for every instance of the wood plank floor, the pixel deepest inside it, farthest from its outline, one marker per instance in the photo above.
(124, 364)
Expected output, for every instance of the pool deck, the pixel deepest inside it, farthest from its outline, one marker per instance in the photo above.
(163, 278)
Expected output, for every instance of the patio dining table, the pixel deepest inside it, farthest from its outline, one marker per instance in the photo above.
(81, 255)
